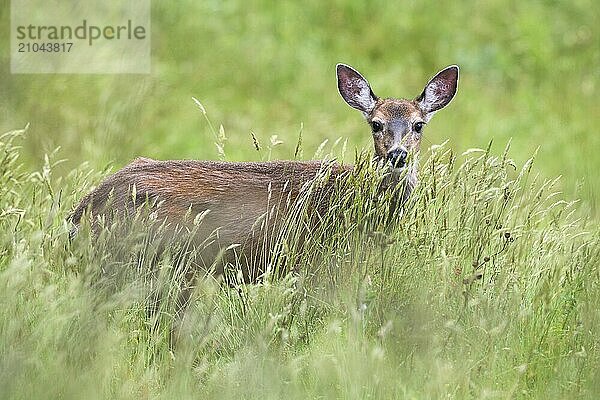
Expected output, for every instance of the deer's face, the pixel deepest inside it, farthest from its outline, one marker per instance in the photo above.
(396, 124)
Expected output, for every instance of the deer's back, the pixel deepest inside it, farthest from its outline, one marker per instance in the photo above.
(236, 194)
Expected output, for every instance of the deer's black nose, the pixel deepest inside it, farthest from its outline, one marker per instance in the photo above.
(397, 157)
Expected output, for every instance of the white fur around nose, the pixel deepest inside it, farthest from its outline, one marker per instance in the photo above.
(398, 127)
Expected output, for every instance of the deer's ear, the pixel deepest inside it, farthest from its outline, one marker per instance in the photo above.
(355, 89)
(439, 91)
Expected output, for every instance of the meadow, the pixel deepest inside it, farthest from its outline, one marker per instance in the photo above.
(488, 287)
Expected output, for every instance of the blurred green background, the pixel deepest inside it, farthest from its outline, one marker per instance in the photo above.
(529, 72)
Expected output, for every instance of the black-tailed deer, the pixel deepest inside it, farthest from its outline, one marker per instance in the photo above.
(242, 203)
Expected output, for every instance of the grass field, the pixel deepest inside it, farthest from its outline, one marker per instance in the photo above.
(487, 288)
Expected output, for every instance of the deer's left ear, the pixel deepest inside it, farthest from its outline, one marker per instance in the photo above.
(355, 89)
(439, 91)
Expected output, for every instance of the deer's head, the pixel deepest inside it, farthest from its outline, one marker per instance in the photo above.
(397, 124)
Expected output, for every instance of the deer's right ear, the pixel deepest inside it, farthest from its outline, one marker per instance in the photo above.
(439, 91)
(355, 89)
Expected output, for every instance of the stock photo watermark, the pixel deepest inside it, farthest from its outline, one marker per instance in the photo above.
(67, 36)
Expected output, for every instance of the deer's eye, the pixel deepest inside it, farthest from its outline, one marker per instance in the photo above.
(418, 127)
(376, 126)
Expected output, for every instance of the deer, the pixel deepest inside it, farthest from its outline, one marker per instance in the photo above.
(240, 203)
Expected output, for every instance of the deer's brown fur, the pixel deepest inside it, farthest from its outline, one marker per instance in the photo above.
(244, 201)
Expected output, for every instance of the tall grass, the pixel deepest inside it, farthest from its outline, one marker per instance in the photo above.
(486, 287)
